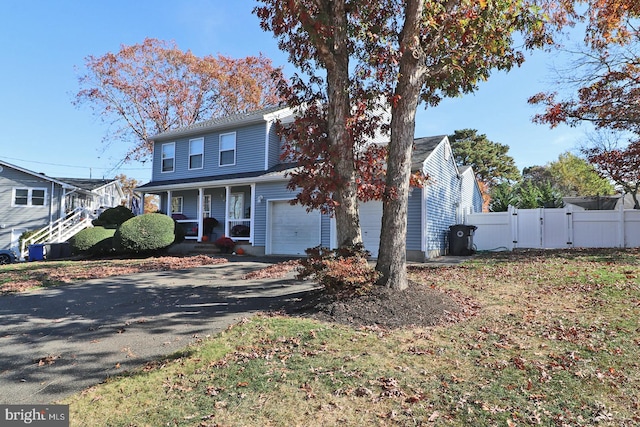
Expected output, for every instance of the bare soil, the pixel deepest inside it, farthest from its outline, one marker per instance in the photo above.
(418, 305)
(415, 306)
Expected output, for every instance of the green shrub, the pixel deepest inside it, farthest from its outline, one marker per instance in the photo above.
(26, 235)
(344, 271)
(93, 241)
(145, 233)
(113, 217)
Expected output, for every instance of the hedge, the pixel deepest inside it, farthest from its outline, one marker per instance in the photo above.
(145, 233)
(113, 217)
(93, 241)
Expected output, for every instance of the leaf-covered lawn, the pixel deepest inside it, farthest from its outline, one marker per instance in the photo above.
(23, 276)
(553, 340)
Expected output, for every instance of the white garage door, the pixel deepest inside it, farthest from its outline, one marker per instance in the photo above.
(292, 229)
(370, 224)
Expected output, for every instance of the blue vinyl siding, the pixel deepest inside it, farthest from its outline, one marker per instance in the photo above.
(275, 147)
(471, 197)
(325, 230)
(442, 196)
(414, 221)
(249, 154)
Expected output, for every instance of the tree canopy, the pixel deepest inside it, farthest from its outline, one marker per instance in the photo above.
(606, 74)
(489, 160)
(152, 87)
(575, 176)
(405, 52)
(620, 165)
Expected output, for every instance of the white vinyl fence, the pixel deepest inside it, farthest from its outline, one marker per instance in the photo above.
(555, 228)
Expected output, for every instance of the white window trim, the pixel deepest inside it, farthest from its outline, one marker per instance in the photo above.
(162, 158)
(220, 151)
(206, 206)
(29, 197)
(198, 154)
(181, 204)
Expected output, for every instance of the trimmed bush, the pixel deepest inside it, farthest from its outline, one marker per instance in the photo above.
(93, 241)
(113, 217)
(343, 272)
(145, 233)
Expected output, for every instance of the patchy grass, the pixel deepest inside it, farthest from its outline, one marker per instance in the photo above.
(29, 275)
(554, 342)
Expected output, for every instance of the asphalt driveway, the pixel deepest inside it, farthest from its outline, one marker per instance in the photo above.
(55, 342)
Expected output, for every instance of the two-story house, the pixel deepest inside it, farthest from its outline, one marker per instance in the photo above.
(229, 168)
(32, 201)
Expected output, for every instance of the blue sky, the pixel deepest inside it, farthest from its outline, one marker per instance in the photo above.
(44, 44)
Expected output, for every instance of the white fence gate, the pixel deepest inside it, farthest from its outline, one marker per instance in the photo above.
(555, 228)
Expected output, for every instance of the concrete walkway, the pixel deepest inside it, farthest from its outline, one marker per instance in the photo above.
(55, 342)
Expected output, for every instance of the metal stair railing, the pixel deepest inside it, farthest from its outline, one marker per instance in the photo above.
(58, 231)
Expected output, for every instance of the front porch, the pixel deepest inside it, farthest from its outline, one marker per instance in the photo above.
(208, 213)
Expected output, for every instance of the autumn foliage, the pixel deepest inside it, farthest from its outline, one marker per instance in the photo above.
(621, 166)
(607, 75)
(152, 87)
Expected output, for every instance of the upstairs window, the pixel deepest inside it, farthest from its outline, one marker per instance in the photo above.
(168, 157)
(29, 196)
(196, 153)
(228, 149)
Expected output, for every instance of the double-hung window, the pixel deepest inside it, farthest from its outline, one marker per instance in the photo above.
(29, 196)
(228, 149)
(196, 153)
(168, 157)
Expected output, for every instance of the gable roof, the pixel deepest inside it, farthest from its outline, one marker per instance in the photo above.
(224, 122)
(82, 184)
(36, 174)
(422, 149)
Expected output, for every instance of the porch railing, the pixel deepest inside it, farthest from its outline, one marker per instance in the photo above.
(58, 231)
(240, 229)
(190, 228)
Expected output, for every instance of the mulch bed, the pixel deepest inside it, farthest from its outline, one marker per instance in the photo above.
(418, 305)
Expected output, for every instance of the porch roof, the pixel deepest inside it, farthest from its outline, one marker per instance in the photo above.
(276, 173)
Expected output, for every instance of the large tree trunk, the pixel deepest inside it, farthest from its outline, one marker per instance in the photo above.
(335, 56)
(392, 257)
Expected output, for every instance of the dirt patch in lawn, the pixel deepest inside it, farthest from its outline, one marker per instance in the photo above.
(418, 305)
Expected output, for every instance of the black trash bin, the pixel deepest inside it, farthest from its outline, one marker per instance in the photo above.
(461, 239)
(58, 250)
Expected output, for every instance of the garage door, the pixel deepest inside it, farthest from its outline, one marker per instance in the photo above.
(292, 228)
(370, 224)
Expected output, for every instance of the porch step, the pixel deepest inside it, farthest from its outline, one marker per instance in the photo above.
(194, 248)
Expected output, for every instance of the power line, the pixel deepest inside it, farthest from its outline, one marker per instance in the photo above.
(72, 166)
